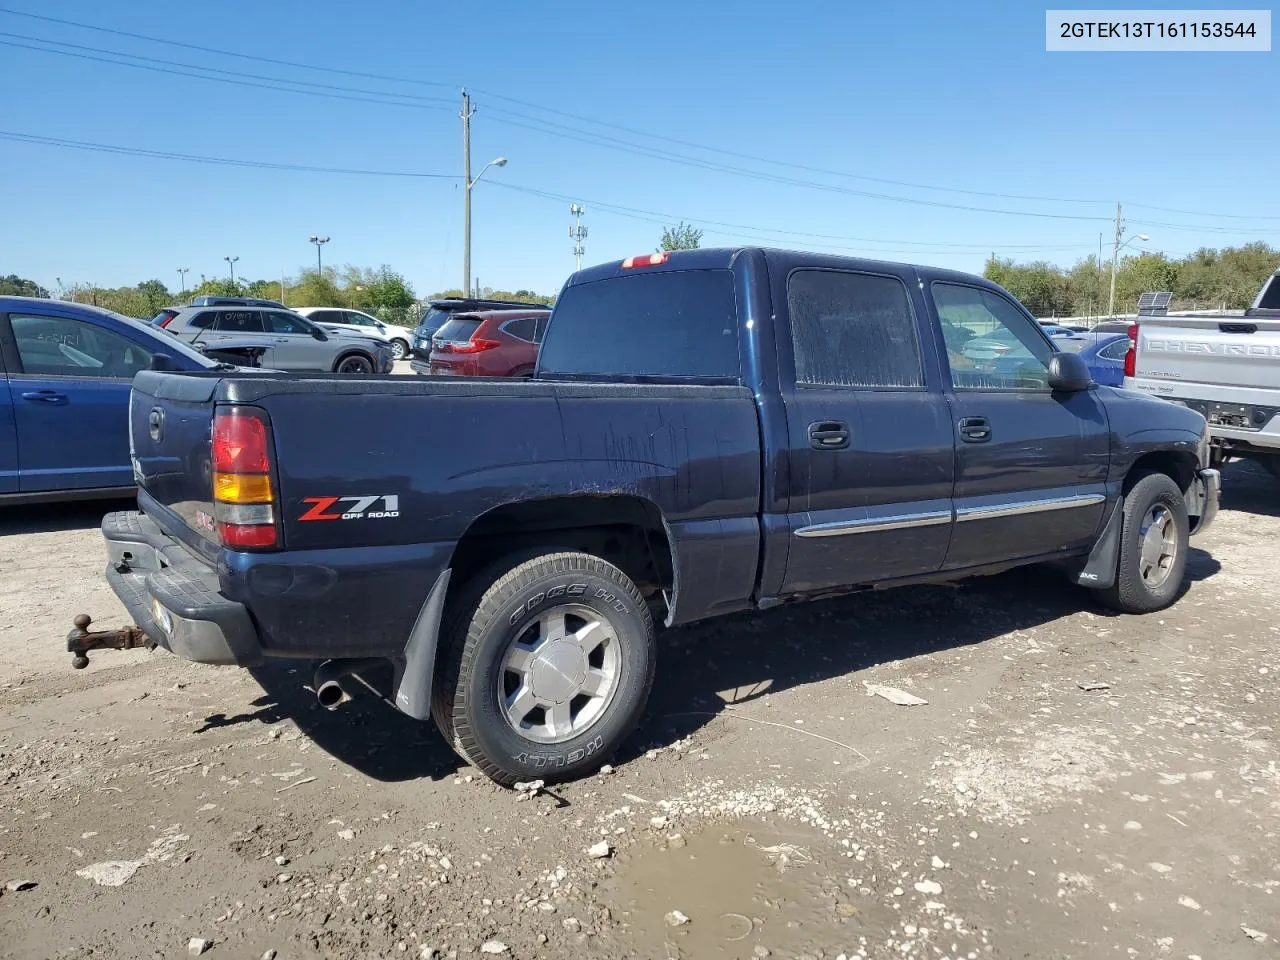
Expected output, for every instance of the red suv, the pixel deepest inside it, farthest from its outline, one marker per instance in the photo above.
(492, 343)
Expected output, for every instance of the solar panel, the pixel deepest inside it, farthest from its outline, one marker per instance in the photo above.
(1154, 304)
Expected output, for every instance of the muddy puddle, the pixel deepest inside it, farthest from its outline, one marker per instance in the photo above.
(730, 893)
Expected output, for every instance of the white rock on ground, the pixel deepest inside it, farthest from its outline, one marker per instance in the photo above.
(493, 947)
(598, 851)
(676, 919)
(198, 945)
(930, 887)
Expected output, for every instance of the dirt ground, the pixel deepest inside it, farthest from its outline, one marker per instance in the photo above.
(1077, 785)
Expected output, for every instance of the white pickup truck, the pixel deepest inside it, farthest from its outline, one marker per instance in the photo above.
(1225, 367)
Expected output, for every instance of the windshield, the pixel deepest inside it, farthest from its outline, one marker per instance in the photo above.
(168, 343)
(433, 319)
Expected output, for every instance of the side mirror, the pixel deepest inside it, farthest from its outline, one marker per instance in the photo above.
(160, 361)
(1068, 373)
(319, 334)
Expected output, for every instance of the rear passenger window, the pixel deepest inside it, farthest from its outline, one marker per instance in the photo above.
(522, 329)
(239, 321)
(203, 320)
(672, 324)
(852, 330)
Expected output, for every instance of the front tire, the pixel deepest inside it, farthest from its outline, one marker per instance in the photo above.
(1154, 541)
(399, 349)
(546, 666)
(354, 363)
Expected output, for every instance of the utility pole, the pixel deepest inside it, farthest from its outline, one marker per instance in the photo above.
(1115, 262)
(231, 261)
(577, 233)
(282, 299)
(467, 113)
(182, 278)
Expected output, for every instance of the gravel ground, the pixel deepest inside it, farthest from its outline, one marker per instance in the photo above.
(1077, 785)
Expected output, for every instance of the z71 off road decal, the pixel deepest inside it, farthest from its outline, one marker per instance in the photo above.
(352, 508)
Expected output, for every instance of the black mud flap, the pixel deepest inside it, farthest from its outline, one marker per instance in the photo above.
(1100, 569)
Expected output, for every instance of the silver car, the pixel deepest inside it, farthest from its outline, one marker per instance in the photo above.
(292, 342)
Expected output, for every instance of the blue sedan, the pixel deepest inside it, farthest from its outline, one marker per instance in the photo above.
(1103, 353)
(65, 374)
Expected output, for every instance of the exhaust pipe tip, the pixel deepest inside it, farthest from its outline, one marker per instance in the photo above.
(331, 695)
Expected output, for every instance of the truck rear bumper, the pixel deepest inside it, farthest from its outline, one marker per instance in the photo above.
(173, 596)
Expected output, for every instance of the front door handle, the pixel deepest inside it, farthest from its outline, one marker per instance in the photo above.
(45, 396)
(829, 435)
(975, 429)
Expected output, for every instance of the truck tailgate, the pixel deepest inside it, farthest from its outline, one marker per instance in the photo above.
(170, 423)
(1218, 352)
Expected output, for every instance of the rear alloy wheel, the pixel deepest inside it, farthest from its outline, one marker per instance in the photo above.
(355, 363)
(399, 349)
(546, 665)
(1154, 543)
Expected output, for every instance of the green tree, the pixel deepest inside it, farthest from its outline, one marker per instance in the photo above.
(155, 294)
(265, 290)
(16, 286)
(680, 237)
(317, 290)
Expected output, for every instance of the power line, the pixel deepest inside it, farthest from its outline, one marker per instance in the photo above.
(215, 70)
(169, 70)
(223, 53)
(651, 216)
(220, 161)
(376, 96)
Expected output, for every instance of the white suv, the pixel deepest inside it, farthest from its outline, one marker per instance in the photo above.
(400, 338)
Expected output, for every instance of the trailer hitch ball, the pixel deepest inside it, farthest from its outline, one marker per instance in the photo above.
(80, 640)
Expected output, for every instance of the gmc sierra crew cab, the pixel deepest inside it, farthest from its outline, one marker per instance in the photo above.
(707, 431)
(1226, 368)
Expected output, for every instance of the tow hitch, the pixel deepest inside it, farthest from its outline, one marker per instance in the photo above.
(80, 641)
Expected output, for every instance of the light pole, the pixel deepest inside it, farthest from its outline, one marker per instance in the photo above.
(182, 278)
(466, 222)
(231, 262)
(319, 241)
(1115, 262)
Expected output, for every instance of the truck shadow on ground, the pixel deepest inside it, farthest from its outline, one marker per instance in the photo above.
(1249, 488)
(703, 667)
(55, 517)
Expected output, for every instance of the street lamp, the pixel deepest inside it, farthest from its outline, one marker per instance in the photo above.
(182, 278)
(466, 220)
(231, 262)
(319, 241)
(1115, 261)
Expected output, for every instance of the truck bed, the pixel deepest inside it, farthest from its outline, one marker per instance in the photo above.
(446, 451)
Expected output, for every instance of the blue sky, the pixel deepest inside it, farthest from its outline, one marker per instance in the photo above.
(938, 95)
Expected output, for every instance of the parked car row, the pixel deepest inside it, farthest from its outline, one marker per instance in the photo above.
(281, 339)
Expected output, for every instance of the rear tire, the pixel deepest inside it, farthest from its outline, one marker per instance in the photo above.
(545, 667)
(399, 349)
(1154, 542)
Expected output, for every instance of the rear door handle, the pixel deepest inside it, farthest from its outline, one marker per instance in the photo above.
(45, 396)
(829, 435)
(975, 429)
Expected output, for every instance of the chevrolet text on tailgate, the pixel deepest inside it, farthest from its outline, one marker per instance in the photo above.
(1226, 368)
(707, 431)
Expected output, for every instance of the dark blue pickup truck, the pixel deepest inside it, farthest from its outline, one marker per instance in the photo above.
(707, 432)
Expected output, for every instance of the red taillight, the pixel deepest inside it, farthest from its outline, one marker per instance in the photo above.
(247, 535)
(647, 260)
(1131, 355)
(240, 443)
(472, 346)
(167, 320)
(244, 501)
